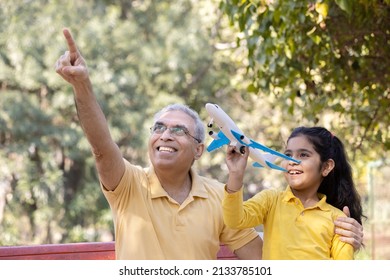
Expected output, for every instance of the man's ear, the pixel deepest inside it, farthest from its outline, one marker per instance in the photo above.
(327, 167)
(199, 150)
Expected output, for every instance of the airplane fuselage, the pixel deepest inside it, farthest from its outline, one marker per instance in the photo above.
(224, 123)
(230, 134)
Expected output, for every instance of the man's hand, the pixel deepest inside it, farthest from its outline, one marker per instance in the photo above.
(349, 229)
(71, 65)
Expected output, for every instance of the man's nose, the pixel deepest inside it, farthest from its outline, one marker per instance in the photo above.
(167, 134)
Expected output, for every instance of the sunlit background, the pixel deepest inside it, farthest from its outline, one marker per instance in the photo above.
(271, 65)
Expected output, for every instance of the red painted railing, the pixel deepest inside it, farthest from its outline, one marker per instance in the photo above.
(76, 251)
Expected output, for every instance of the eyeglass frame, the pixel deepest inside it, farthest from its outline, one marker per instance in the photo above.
(171, 130)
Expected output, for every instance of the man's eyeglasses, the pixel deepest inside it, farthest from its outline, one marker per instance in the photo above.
(178, 130)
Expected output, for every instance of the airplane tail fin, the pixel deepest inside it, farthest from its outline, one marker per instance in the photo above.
(270, 165)
(256, 164)
(274, 166)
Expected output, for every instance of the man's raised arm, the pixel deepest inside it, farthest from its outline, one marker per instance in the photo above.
(71, 67)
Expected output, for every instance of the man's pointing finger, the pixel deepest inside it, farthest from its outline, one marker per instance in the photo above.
(71, 45)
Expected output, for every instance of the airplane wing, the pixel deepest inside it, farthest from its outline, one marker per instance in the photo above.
(218, 142)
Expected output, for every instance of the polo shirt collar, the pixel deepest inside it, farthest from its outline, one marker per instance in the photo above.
(322, 204)
(198, 188)
(156, 190)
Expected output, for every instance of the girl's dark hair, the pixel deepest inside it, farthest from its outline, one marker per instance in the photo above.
(338, 186)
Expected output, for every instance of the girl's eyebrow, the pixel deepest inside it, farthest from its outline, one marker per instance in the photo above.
(299, 150)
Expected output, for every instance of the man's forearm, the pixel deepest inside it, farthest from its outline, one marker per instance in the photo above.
(91, 117)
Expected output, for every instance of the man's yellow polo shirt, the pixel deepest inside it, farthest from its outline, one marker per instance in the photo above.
(151, 225)
(290, 230)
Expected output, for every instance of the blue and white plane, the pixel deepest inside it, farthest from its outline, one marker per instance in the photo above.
(230, 134)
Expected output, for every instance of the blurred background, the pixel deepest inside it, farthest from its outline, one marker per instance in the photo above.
(271, 65)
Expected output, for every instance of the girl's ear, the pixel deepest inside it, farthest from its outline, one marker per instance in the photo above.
(327, 167)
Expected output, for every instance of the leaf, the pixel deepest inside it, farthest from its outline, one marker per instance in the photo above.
(322, 9)
(252, 88)
(345, 5)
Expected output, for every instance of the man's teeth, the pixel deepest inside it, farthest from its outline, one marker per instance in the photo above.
(166, 149)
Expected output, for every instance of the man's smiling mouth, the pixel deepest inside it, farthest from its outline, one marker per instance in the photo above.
(166, 149)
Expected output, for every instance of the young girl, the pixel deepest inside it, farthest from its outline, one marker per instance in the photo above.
(298, 222)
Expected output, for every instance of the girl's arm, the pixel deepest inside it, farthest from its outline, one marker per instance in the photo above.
(236, 163)
(232, 202)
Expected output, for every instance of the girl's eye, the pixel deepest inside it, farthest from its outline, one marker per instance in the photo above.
(303, 155)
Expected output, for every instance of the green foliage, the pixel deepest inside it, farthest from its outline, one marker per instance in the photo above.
(321, 57)
(272, 65)
(142, 55)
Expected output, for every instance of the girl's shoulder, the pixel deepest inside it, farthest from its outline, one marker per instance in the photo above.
(335, 211)
(271, 193)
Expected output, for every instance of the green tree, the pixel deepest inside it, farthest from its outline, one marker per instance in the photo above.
(321, 59)
(142, 55)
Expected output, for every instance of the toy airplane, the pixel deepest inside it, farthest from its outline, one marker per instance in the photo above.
(230, 134)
